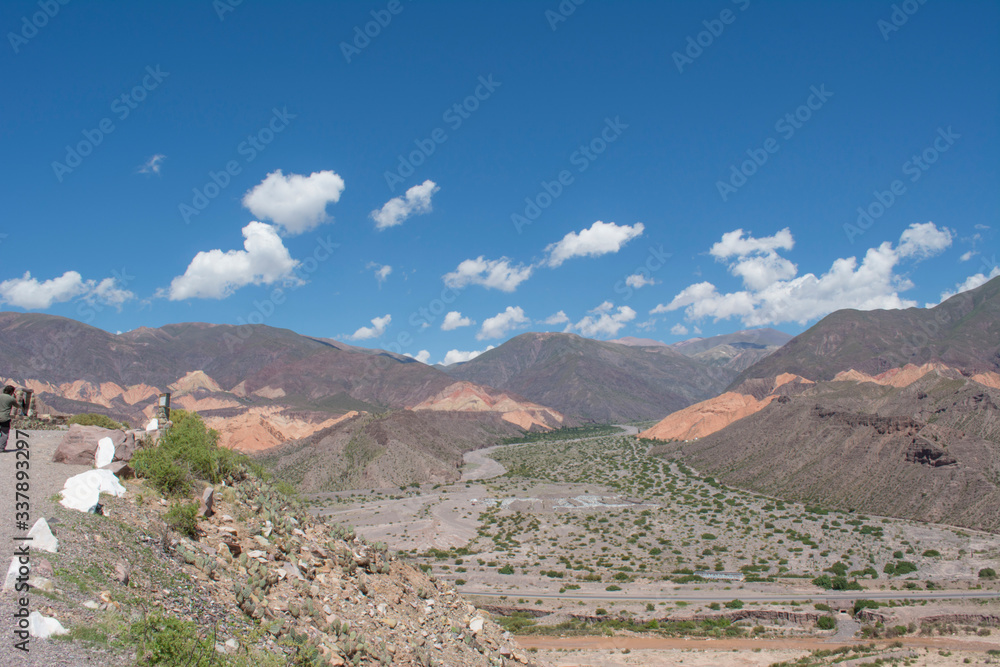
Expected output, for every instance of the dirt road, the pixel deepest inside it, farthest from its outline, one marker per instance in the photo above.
(804, 644)
(479, 465)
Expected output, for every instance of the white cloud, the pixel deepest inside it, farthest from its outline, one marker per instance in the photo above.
(153, 164)
(966, 256)
(454, 320)
(215, 274)
(458, 356)
(378, 328)
(605, 321)
(27, 292)
(638, 280)
(679, 330)
(924, 240)
(491, 273)
(423, 356)
(108, 292)
(417, 200)
(498, 325)
(733, 244)
(773, 296)
(296, 203)
(556, 318)
(31, 294)
(757, 260)
(972, 282)
(382, 271)
(601, 238)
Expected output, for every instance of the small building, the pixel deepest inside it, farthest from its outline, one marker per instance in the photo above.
(720, 576)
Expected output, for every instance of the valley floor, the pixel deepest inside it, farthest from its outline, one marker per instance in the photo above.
(589, 538)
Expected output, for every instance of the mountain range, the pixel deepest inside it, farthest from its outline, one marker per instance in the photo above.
(261, 386)
(890, 412)
(611, 381)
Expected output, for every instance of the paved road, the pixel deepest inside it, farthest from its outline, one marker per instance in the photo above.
(725, 596)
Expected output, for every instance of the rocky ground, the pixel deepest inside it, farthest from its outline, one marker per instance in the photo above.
(263, 580)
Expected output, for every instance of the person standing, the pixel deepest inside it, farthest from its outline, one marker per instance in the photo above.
(8, 404)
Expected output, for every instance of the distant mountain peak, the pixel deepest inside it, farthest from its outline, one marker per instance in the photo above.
(638, 342)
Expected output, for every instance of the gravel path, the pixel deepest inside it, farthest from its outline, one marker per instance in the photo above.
(46, 480)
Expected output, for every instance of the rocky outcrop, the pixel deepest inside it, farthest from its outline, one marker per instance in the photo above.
(194, 380)
(79, 445)
(351, 600)
(469, 397)
(707, 417)
(715, 414)
(259, 429)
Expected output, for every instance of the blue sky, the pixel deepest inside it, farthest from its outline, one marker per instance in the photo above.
(612, 169)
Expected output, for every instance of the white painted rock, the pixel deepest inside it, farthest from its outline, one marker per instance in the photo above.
(44, 627)
(153, 425)
(11, 579)
(476, 625)
(105, 453)
(42, 537)
(81, 492)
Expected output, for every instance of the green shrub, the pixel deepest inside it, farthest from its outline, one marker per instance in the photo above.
(836, 583)
(94, 419)
(932, 553)
(188, 451)
(183, 517)
(865, 604)
(506, 569)
(826, 623)
(170, 641)
(734, 604)
(838, 568)
(987, 573)
(157, 466)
